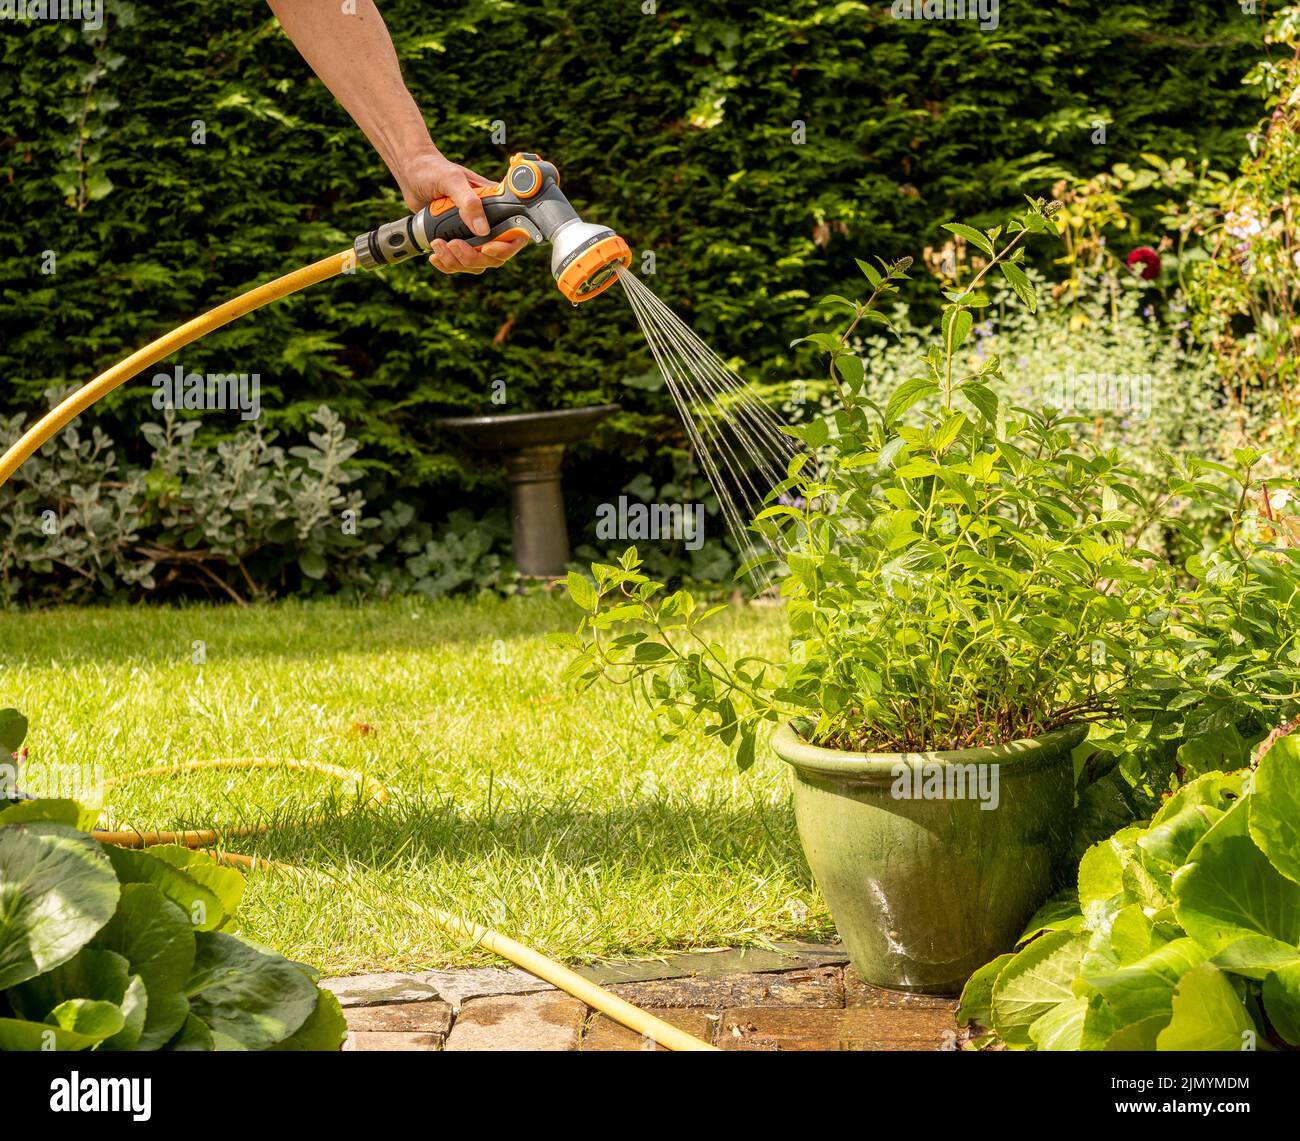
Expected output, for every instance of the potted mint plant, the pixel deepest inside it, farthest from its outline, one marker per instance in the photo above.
(965, 595)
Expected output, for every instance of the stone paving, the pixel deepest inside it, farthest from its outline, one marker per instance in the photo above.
(799, 997)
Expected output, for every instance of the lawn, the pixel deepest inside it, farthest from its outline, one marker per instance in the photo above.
(561, 819)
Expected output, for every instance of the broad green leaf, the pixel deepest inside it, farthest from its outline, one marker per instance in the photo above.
(200, 903)
(90, 973)
(249, 999)
(1232, 891)
(1036, 980)
(79, 1024)
(1138, 1036)
(57, 889)
(312, 564)
(1061, 1027)
(325, 1028)
(1256, 956)
(134, 1007)
(1060, 913)
(1143, 989)
(193, 1036)
(13, 731)
(1207, 1014)
(977, 995)
(227, 884)
(157, 940)
(54, 811)
(1282, 1002)
(581, 591)
(1275, 807)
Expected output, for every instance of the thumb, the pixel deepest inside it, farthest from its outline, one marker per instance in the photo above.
(467, 202)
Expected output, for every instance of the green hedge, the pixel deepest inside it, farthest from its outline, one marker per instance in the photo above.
(674, 127)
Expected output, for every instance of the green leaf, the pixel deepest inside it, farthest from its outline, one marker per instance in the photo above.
(984, 399)
(227, 884)
(1144, 988)
(852, 369)
(1019, 281)
(13, 731)
(1060, 913)
(78, 1024)
(249, 999)
(1275, 807)
(199, 903)
(908, 393)
(325, 1028)
(53, 810)
(977, 995)
(57, 889)
(1282, 1002)
(1256, 956)
(155, 937)
(312, 564)
(1207, 1014)
(581, 591)
(972, 235)
(1232, 891)
(1035, 981)
(193, 1036)
(869, 272)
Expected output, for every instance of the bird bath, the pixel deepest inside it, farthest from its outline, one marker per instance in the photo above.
(532, 444)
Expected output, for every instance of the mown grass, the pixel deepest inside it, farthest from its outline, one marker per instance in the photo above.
(561, 819)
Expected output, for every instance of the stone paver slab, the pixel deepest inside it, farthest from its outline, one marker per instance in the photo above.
(605, 1034)
(859, 993)
(855, 1028)
(412, 986)
(382, 1040)
(433, 1017)
(547, 1021)
(745, 960)
(818, 986)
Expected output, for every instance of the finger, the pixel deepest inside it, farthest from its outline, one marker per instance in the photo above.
(466, 256)
(476, 179)
(471, 209)
(498, 253)
(438, 257)
(445, 261)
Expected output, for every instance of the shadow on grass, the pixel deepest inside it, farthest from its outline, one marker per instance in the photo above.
(652, 835)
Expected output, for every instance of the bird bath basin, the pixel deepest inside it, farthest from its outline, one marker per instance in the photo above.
(531, 444)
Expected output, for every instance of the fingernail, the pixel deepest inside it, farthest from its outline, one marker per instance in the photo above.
(480, 227)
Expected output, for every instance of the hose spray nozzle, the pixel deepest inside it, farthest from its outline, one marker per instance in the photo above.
(528, 203)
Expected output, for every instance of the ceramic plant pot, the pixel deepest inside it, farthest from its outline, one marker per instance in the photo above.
(932, 863)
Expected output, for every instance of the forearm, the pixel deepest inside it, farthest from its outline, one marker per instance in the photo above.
(353, 56)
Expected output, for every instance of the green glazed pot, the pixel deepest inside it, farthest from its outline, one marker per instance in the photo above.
(926, 888)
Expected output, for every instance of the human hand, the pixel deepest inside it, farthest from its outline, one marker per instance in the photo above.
(429, 175)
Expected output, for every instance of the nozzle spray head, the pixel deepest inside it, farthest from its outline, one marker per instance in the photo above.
(528, 203)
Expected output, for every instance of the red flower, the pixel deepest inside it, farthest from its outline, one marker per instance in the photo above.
(1149, 261)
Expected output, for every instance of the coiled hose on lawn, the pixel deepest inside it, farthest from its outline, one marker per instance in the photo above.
(208, 839)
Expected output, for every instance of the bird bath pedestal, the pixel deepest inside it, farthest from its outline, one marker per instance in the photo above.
(532, 444)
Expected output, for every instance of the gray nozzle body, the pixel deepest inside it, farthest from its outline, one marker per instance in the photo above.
(528, 200)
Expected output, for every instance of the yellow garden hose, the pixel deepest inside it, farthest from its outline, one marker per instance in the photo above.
(59, 417)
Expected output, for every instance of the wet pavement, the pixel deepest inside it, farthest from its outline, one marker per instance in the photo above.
(798, 997)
